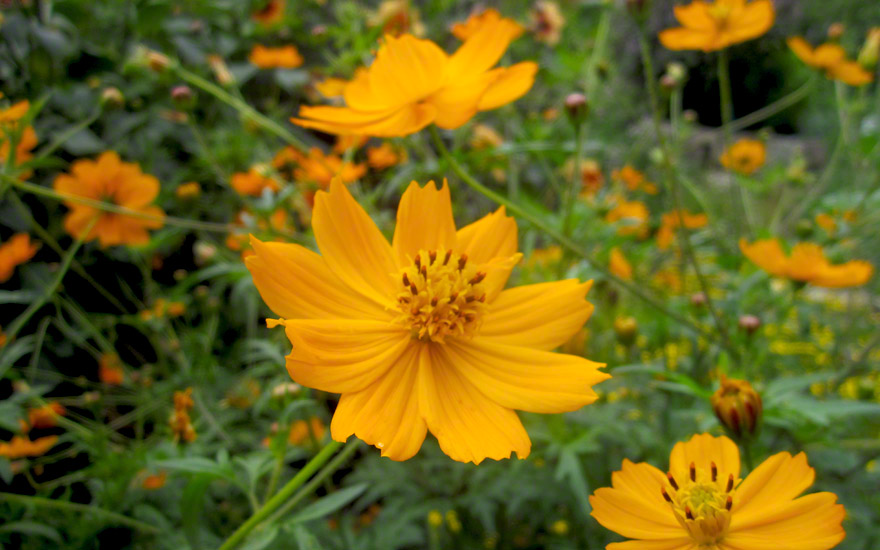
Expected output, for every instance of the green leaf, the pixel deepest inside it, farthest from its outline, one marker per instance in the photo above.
(329, 504)
(569, 469)
(304, 539)
(191, 504)
(262, 538)
(32, 528)
(199, 465)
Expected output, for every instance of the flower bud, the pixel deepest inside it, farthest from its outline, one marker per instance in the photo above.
(749, 323)
(182, 97)
(835, 31)
(626, 329)
(156, 61)
(698, 299)
(576, 107)
(221, 70)
(871, 50)
(112, 97)
(738, 406)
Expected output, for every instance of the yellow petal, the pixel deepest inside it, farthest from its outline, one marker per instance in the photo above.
(829, 54)
(776, 481)
(542, 316)
(424, 221)
(352, 246)
(643, 482)
(492, 236)
(687, 39)
(802, 50)
(468, 425)
(141, 190)
(632, 517)
(851, 73)
(703, 450)
(482, 50)
(766, 254)
(510, 84)
(681, 543)
(852, 273)
(497, 272)
(406, 70)
(297, 284)
(812, 522)
(386, 413)
(752, 21)
(403, 121)
(695, 16)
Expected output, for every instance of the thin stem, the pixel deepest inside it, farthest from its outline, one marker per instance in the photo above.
(777, 106)
(726, 119)
(113, 517)
(64, 136)
(602, 32)
(571, 195)
(281, 497)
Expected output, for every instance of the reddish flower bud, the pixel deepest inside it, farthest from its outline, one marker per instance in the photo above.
(738, 406)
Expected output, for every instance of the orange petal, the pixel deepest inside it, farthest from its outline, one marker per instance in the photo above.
(687, 39)
(424, 221)
(633, 517)
(139, 190)
(766, 254)
(851, 73)
(753, 20)
(492, 236)
(775, 482)
(802, 50)
(510, 84)
(812, 522)
(852, 273)
(695, 16)
(403, 121)
(482, 50)
(681, 543)
(703, 450)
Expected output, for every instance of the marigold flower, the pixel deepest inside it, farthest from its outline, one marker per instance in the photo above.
(384, 156)
(45, 416)
(270, 13)
(14, 252)
(302, 431)
(418, 335)
(831, 59)
(711, 26)
(20, 447)
(547, 22)
(285, 57)
(27, 140)
(110, 370)
(633, 215)
(745, 156)
(806, 263)
(154, 482)
(738, 406)
(489, 16)
(701, 502)
(619, 265)
(108, 179)
(253, 182)
(413, 83)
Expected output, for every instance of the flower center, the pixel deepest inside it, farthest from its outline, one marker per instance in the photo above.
(701, 503)
(720, 12)
(441, 296)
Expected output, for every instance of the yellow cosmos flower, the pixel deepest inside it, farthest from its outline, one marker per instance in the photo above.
(413, 83)
(807, 263)
(673, 220)
(109, 179)
(253, 182)
(634, 180)
(285, 57)
(745, 156)
(477, 20)
(419, 334)
(711, 26)
(633, 216)
(831, 59)
(619, 265)
(20, 447)
(702, 504)
(14, 252)
(384, 156)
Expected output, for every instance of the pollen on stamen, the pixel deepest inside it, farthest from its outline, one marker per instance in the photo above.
(666, 496)
(729, 484)
(688, 513)
(693, 471)
(729, 503)
(672, 480)
(714, 471)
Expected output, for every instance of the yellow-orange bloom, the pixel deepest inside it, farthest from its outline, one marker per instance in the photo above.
(21, 447)
(110, 370)
(737, 405)
(45, 416)
(285, 57)
(331, 87)
(27, 140)
(384, 156)
(109, 179)
(154, 482)
(413, 83)
(702, 503)
(181, 426)
(320, 168)
(547, 22)
(397, 17)
(634, 180)
(673, 220)
(14, 252)
(253, 182)
(489, 16)
(271, 12)
(188, 190)
(302, 431)
(807, 263)
(711, 26)
(831, 59)
(419, 334)
(618, 265)
(745, 156)
(633, 215)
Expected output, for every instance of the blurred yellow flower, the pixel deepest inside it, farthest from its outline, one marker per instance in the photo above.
(188, 190)
(413, 83)
(711, 26)
(285, 57)
(634, 180)
(634, 217)
(831, 59)
(477, 20)
(253, 182)
(349, 141)
(619, 266)
(397, 17)
(673, 220)
(181, 426)
(745, 156)
(220, 69)
(27, 140)
(544, 257)
(419, 335)
(320, 168)
(271, 12)
(484, 137)
(547, 22)
(302, 431)
(14, 252)
(45, 416)
(108, 179)
(384, 156)
(331, 87)
(701, 502)
(20, 447)
(826, 222)
(806, 263)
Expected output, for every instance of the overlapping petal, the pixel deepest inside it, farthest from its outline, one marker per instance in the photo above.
(508, 84)
(424, 221)
(703, 449)
(492, 236)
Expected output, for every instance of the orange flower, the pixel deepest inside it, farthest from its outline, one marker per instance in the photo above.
(270, 13)
(181, 426)
(108, 179)
(745, 156)
(619, 265)
(547, 22)
(14, 252)
(633, 215)
(110, 370)
(830, 58)
(331, 87)
(413, 83)
(349, 141)
(253, 182)
(285, 57)
(477, 20)
(155, 481)
(826, 222)
(673, 220)
(384, 156)
(302, 431)
(807, 263)
(188, 190)
(634, 180)
(397, 17)
(46, 416)
(21, 447)
(714, 26)
(318, 167)
(27, 140)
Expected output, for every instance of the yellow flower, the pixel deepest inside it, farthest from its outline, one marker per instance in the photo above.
(830, 58)
(544, 257)
(673, 220)
(220, 69)
(253, 182)
(737, 405)
(397, 17)
(302, 431)
(807, 263)
(870, 50)
(634, 180)
(714, 26)
(826, 222)
(634, 216)
(413, 83)
(320, 168)
(188, 190)
(109, 179)
(285, 57)
(419, 335)
(745, 156)
(270, 13)
(181, 426)
(384, 156)
(14, 252)
(477, 20)
(21, 447)
(619, 265)
(349, 141)
(547, 22)
(701, 503)
(27, 140)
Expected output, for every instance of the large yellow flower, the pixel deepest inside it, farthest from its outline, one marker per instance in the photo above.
(412, 83)
(702, 504)
(807, 263)
(419, 335)
(714, 26)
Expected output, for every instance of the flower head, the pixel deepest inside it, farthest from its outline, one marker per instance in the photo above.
(302, 431)
(634, 179)
(285, 57)
(831, 59)
(384, 156)
(711, 26)
(27, 139)
(271, 12)
(397, 17)
(547, 22)
(806, 263)
(413, 83)
(109, 179)
(319, 168)
(181, 426)
(673, 220)
(20, 447)
(110, 370)
(46, 416)
(14, 252)
(737, 405)
(619, 265)
(701, 502)
(745, 156)
(633, 217)
(154, 482)
(419, 334)
(488, 16)
(253, 182)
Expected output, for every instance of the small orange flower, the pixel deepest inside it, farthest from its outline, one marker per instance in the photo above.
(318, 167)
(745, 156)
(270, 13)
(738, 406)
(547, 22)
(634, 180)
(806, 263)
(397, 17)
(826, 222)
(110, 370)
(633, 217)
(21, 447)
(476, 21)
(285, 57)
(155, 481)
(14, 252)
(714, 26)
(619, 265)
(253, 182)
(831, 59)
(673, 220)
(27, 140)
(188, 190)
(181, 426)
(302, 431)
(384, 156)
(45, 416)
(349, 141)
(108, 179)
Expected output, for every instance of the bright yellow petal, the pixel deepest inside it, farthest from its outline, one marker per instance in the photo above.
(522, 378)
(469, 426)
(542, 316)
(687, 39)
(829, 54)
(492, 236)
(766, 254)
(851, 73)
(297, 284)
(138, 191)
(755, 19)
(776, 481)
(695, 16)
(643, 482)
(510, 84)
(703, 450)
(399, 122)
(812, 522)
(457, 102)
(632, 517)
(481, 52)
(681, 543)
(802, 50)
(352, 246)
(852, 273)
(497, 272)
(386, 413)
(424, 221)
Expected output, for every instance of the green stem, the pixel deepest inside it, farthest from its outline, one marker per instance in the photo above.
(64, 136)
(571, 195)
(281, 497)
(777, 106)
(602, 32)
(74, 507)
